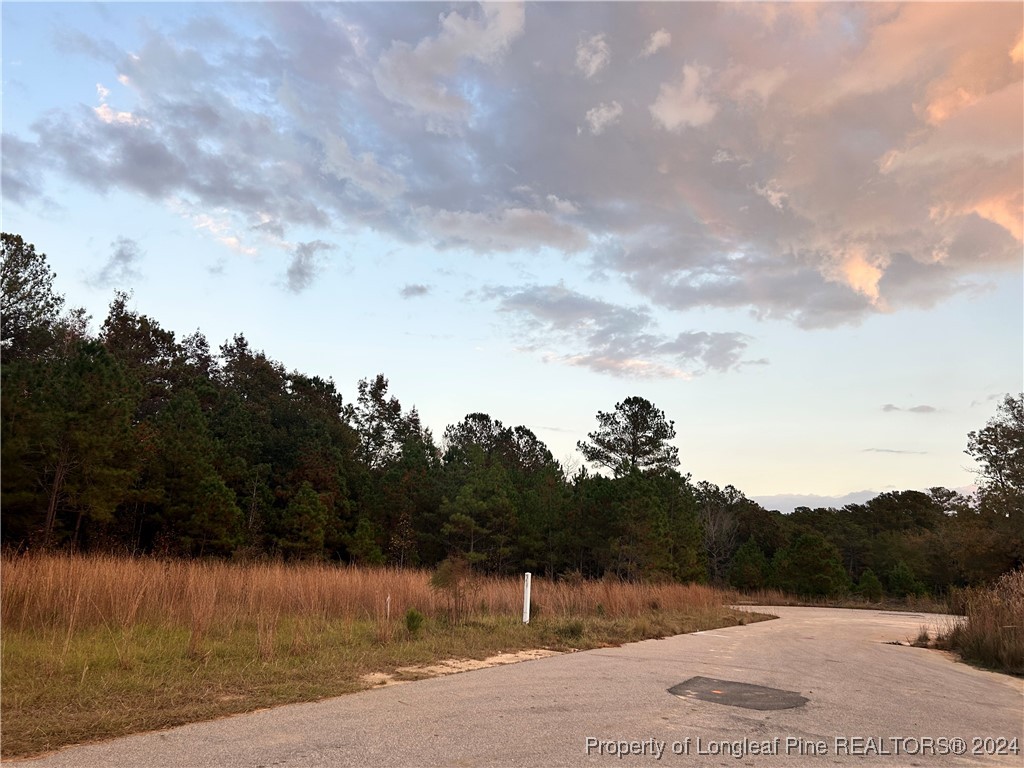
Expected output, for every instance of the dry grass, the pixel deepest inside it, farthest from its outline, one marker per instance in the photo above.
(103, 646)
(922, 604)
(56, 593)
(992, 634)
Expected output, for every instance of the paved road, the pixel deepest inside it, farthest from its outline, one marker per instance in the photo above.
(867, 704)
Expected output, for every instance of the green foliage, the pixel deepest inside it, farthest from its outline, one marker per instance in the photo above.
(134, 440)
(999, 449)
(749, 568)
(362, 544)
(413, 621)
(199, 510)
(639, 551)
(633, 437)
(902, 581)
(30, 308)
(305, 521)
(810, 566)
(66, 436)
(452, 578)
(869, 586)
(570, 629)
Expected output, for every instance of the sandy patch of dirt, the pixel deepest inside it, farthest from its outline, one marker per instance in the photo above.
(451, 667)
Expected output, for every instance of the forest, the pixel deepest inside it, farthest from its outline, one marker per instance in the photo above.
(134, 441)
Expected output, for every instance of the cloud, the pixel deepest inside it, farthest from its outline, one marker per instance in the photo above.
(890, 408)
(505, 230)
(753, 87)
(563, 207)
(658, 40)
(592, 55)
(120, 268)
(988, 399)
(414, 290)
(108, 115)
(17, 183)
(416, 76)
(570, 328)
(816, 165)
(775, 197)
(684, 104)
(305, 264)
(892, 450)
(603, 115)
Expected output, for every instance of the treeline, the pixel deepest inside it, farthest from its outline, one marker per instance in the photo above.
(134, 440)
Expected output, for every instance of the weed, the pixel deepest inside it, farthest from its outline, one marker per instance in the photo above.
(413, 621)
(570, 630)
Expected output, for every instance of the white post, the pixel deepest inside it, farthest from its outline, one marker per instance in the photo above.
(526, 599)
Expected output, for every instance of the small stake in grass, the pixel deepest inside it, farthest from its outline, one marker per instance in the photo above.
(526, 599)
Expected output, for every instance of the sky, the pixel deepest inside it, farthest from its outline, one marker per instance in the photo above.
(794, 228)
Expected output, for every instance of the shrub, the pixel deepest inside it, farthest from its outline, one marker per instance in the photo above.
(811, 565)
(749, 567)
(903, 581)
(451, 578)
(413, 621)
(869, 586)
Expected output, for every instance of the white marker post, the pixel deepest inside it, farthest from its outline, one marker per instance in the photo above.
(526, 599)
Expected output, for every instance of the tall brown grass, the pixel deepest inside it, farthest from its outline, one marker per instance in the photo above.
(992, 633)
(64, 593)
(916, 603)
(97, 646)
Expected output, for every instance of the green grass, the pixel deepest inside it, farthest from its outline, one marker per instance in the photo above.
(99, 682)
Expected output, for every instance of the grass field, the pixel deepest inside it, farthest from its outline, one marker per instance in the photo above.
(95, 647)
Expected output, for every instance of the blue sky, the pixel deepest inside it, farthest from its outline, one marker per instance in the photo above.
(795, 228)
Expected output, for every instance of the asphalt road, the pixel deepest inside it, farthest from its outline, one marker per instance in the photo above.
(851, 699)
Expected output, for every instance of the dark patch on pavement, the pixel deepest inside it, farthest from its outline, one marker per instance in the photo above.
(737, 694)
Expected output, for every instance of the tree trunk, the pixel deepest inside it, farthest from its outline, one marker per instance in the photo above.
(60, 472)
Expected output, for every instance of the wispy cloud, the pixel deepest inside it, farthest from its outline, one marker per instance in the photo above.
(988, 399)
(893, 450)
(414, 290)
(602, 116)
(684, 103)
(574, 329)
(890, 408)
(658, 40)
(305, 264)
(120, 268)
(592, 55)
(416, 76)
